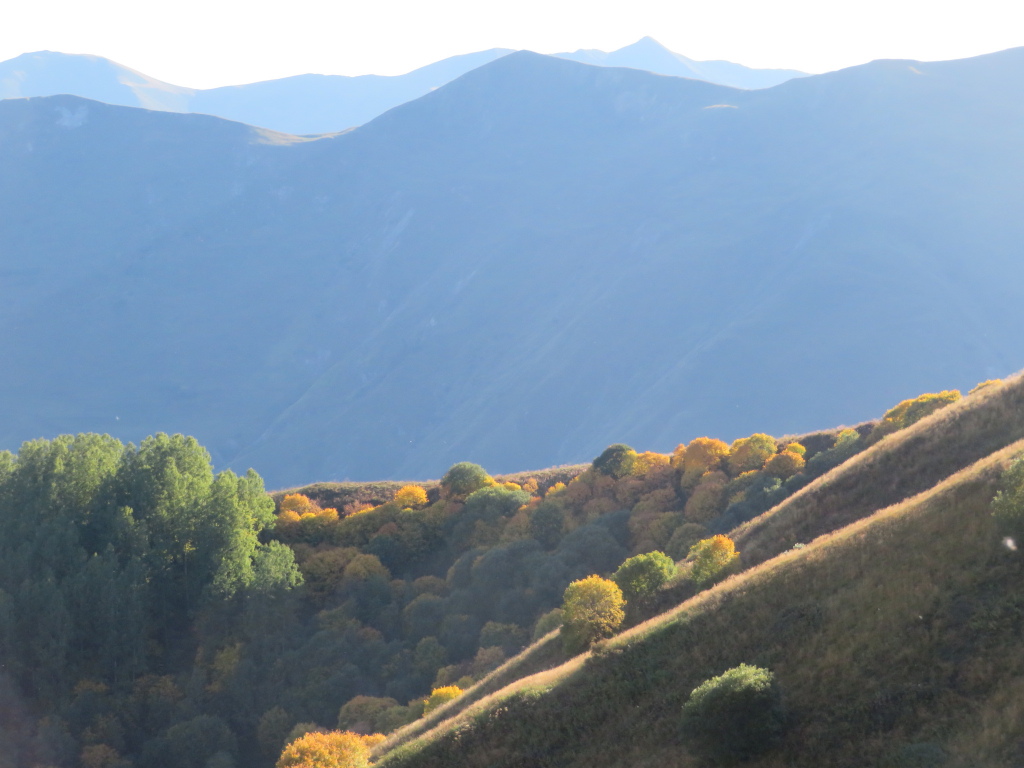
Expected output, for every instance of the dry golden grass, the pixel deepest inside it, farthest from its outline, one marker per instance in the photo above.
(899, 466)
(865, 629)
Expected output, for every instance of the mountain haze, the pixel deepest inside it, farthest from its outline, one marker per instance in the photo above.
(650, 55)
(314, 104)
(521, 267)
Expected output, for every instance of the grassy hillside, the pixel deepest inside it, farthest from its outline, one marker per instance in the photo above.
(897, 636)
(899, 466)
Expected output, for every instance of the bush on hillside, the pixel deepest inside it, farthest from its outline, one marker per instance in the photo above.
(641, 576)
(711, 557)
(593, 609)
(734, 716)
(1008, 505)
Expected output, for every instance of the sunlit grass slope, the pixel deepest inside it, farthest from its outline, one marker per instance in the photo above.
(897, 636)
(901, 465)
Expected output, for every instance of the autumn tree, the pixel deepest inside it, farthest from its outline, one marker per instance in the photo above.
(592, 608)
(703, 454)
(708, 499)
(912, 411)
(750, 453)
(440, 696)
(785, 464)
(411, 497)
(641, 576)
(711, 557)
(336, 749)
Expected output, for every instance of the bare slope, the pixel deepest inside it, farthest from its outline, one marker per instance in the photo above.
(897, 635)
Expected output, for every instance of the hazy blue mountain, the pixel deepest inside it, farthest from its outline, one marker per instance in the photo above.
(650, 55)
(47, 73)
(316, 104)
(532, 262)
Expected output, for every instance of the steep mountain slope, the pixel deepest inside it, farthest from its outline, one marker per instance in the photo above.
(650, 55)
(523, 266)
(310, 104)
(894, 639)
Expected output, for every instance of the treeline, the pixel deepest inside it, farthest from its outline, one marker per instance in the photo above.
(156, 614)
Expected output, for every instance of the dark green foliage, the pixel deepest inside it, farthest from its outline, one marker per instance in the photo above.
(546, 524)
(734, 716)
(464, 478)
(641, 576)
(1008, 504)
(616, 461)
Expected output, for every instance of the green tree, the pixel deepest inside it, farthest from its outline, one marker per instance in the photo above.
(734, 716)
(616, 461)
(641, 576)
(464, 478)
(592, 608)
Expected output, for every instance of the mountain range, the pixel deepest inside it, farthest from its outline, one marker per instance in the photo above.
(314, 104)
(522, 266)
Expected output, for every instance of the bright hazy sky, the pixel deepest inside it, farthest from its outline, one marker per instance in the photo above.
(206, 43)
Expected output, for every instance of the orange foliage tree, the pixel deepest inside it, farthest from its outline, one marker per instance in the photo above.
(785, 464)
(703, 454)
(335, 749)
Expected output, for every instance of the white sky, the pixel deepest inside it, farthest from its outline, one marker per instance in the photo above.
(207, 43)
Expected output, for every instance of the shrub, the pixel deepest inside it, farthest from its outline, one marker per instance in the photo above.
(550, 621)
(734, 716)
(641, 576)
(616, 461)
(592, 609)
(912, 411)
(711, 557)
(1008, 505)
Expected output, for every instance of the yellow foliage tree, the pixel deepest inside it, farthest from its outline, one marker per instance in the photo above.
(912, 411)
(298, 503)
(796, 448)
(440, 696)
(335, 749)
(703, 454)
(411, 496)
(592, 608)
(649, 460)
(749, 454)
(711, 557)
